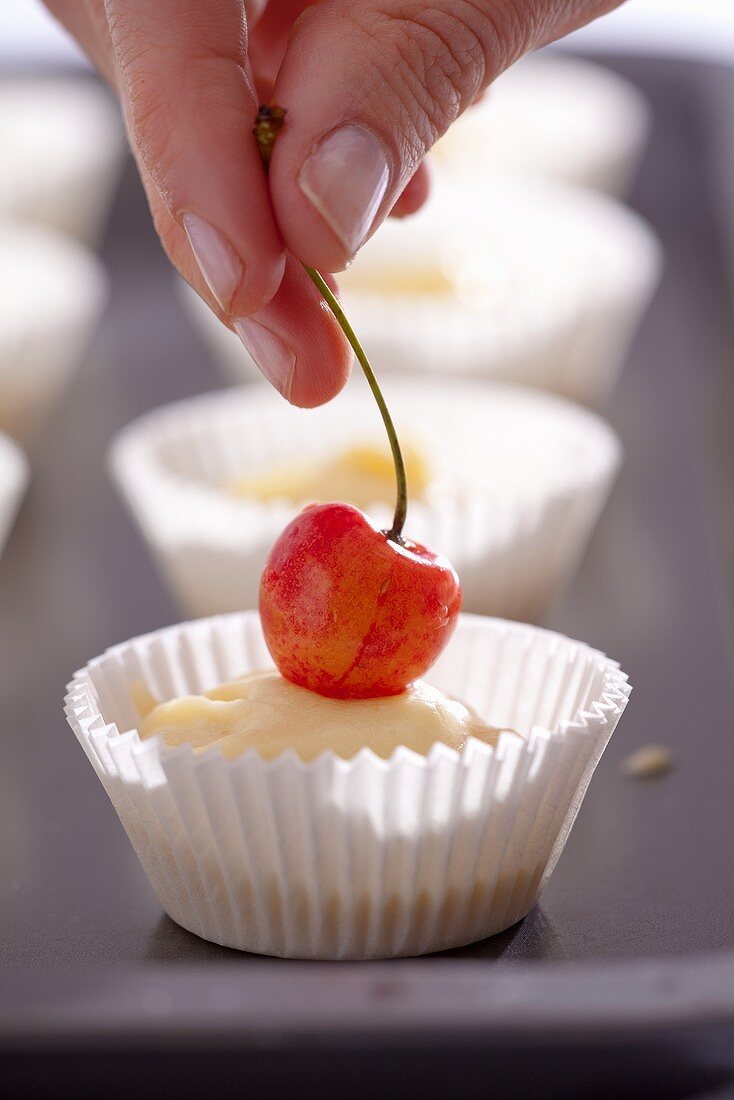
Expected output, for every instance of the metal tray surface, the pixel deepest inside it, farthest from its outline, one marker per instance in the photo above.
(634, 936)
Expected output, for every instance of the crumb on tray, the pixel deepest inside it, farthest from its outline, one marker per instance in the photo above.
(648, 762)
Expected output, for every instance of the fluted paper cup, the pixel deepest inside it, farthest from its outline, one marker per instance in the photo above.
(13, 482)
(551, 284)
(520, 479)
(362, 858)
(544, 285)
(52, 294)
(556, 117)
(63, 149)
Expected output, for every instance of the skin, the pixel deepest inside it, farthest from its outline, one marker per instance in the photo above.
(190, 75)
(350, 614)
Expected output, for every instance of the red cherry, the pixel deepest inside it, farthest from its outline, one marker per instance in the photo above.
(350, 613)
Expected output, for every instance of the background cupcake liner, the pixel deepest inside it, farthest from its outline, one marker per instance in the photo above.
(521, 480)
(556, 117)
(13, 482)
(366, 858)
(554, 282)
(39, 349)
(565, 279)
(65, 147)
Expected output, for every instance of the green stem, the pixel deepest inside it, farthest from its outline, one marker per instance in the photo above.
(401, 506)
(268, 124)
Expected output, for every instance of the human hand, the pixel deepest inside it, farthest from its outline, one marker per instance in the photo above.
(369, 86)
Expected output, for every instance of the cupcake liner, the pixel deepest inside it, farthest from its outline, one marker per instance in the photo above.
(551, 284)
(39, 349)
(555, 117)
(365, 858)
(521, 478)
(65, 148)
(13, 482)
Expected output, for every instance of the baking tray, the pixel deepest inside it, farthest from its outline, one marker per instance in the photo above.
(628, 961)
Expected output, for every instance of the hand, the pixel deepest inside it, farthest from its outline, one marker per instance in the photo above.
(369, 85)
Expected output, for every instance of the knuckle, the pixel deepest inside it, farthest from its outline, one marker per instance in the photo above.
(150, 125)
(446, 52)
(187, 81)
(169, 98)
(442, 52)
(512, 25)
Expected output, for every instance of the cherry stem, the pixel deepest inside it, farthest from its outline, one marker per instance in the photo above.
(401, 507)
(268, 124)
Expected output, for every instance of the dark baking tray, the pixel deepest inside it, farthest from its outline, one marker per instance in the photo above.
(629, 959)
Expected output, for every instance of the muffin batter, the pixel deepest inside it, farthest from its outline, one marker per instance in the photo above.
(412, 277)
(263, 711)
(360, 475)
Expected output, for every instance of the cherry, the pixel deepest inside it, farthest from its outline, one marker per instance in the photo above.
(350, 613)
(347, 610)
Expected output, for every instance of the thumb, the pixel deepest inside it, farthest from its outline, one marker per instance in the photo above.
(369, 86)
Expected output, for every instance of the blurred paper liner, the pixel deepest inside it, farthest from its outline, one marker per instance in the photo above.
(519, 479)
(555, 117)
(499, 277)
(63, 149)
(53, 294)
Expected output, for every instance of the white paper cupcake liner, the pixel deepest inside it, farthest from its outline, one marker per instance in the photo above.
(559, 281)
(358, 859)
(63, 150)
(552, 285)
(521, 478)
(41, 347)
(13, 481)
(555, 117)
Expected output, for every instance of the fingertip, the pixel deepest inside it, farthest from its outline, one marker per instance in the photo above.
(296, 341)
(322, 370)
(312, 392)
(415, 193)
(259, 283)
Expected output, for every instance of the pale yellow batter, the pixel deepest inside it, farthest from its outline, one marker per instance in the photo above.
(361, 475)
(265, 712)
(407, 276)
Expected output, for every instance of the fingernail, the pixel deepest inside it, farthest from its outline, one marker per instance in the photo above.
(274, 356)
(345, 178)
(218, 262)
